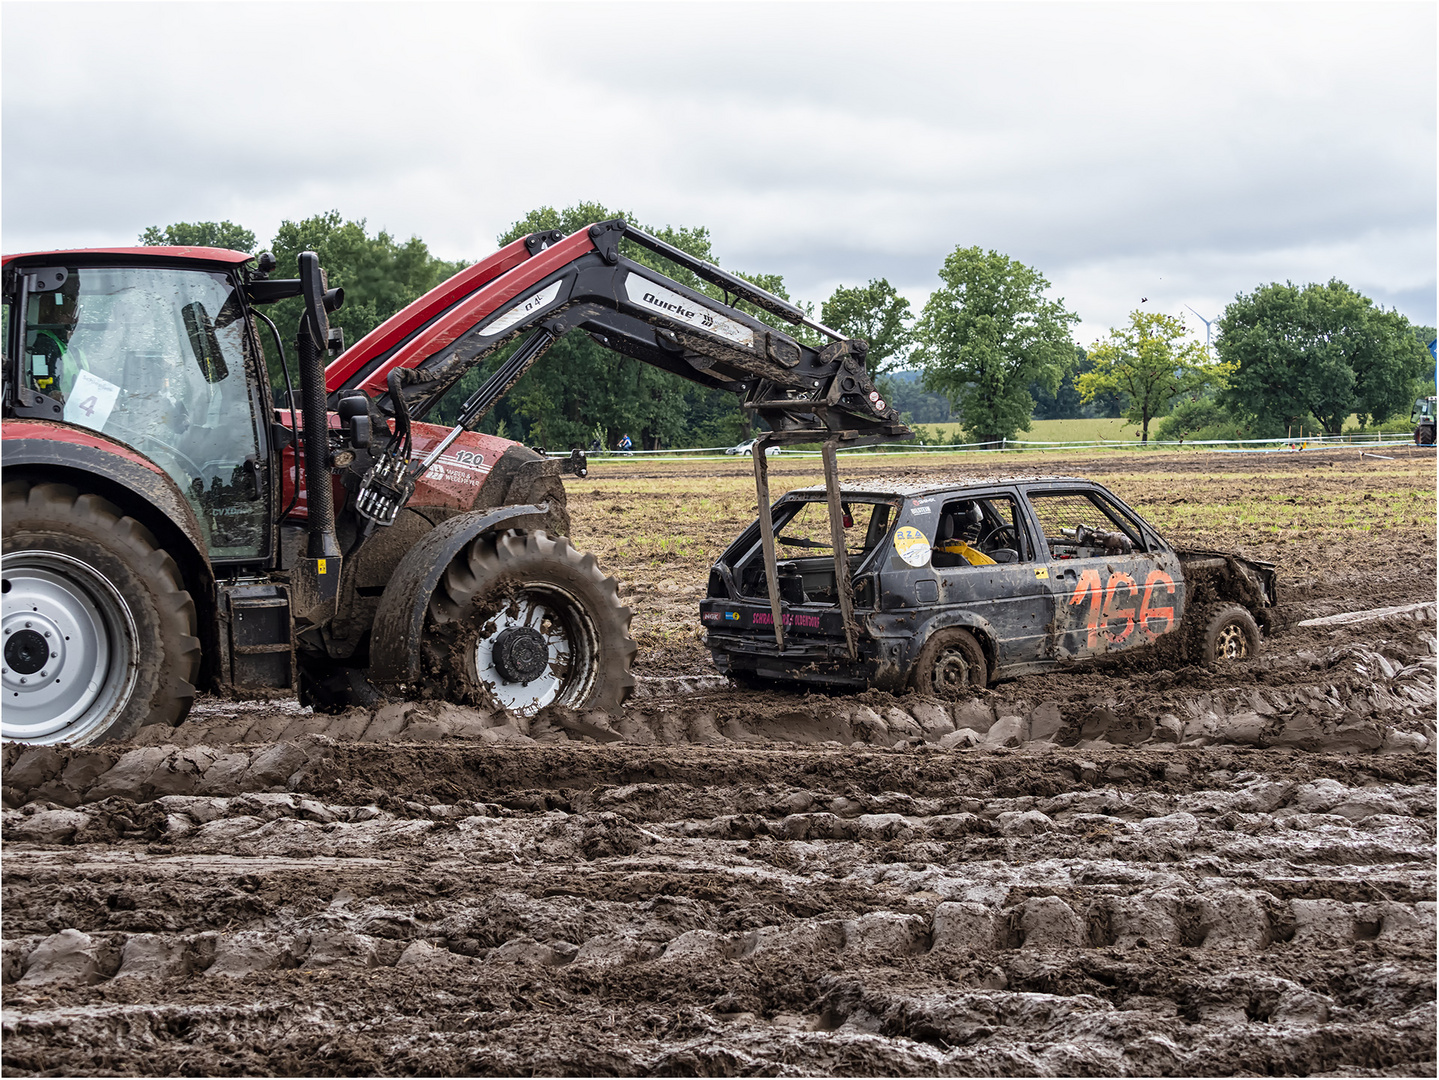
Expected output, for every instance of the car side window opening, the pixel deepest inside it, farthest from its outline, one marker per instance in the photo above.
(865, 526)
(1082, 525)
(979, 532)
(157, 358)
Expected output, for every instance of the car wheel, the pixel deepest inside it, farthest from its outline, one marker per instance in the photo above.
(950, 665)
(1230, 634)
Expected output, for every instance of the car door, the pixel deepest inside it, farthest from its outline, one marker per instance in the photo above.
(1116, 585)
(1011, 595)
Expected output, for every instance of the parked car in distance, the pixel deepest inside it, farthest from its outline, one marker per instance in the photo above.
(957, 584)
(747, 449)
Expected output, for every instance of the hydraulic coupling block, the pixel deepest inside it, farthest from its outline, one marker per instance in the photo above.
(386, 487)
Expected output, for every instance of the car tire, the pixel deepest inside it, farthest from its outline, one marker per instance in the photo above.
(114, 630)
(950, 665)
(1230, 635)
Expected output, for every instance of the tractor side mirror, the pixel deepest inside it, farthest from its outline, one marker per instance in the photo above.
(354, 412)
(320, 300)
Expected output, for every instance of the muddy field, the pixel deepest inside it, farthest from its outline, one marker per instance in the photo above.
(1121, 871)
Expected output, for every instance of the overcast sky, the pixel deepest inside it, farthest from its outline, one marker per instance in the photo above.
(1179, 152)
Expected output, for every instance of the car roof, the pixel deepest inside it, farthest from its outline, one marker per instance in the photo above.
(908, 489)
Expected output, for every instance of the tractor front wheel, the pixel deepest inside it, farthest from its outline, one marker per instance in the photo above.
(523, 620)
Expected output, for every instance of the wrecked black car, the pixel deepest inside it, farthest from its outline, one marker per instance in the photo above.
(954, 585)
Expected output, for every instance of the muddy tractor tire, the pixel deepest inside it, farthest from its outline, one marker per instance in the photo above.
(524, 620)
(1229, 634)
(951, 664)
(1424, 435)
(99, 633)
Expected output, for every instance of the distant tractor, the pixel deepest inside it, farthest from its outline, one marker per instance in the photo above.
(1423, 420)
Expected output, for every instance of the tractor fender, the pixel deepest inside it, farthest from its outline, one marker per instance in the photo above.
(90, 461)
(400, 618)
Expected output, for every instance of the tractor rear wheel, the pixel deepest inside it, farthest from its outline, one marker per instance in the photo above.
(523, 620)
(951, 664)
(99, 634)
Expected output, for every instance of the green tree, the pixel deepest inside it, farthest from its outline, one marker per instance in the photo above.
(1321, 350)
(379, 274)
(1065, 403)
(219, 234)
(1151, 363)
(879, 315)
(904, 391)
(988, 332)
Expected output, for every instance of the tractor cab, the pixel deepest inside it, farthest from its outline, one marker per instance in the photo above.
(161, 358)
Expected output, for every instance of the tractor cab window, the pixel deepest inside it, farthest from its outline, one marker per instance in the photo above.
(157, 358)
(980, 531)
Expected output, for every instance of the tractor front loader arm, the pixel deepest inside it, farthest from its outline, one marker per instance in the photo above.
(556, 284)
(546, 285)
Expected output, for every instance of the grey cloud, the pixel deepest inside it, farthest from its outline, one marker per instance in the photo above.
(1105, 145)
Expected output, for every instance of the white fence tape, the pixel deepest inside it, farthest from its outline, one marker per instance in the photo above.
(1366, 440)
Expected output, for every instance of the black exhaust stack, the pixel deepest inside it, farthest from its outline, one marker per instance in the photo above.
(315, 579)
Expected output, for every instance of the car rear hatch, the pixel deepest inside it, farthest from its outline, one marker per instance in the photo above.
(737, 610)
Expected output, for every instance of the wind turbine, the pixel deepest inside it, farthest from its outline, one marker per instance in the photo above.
(1205, 321)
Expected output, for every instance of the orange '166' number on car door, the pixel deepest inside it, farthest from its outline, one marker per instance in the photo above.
(1147, 612)
(1104, 612)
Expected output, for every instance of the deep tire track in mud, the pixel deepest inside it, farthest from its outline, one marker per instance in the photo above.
(1124, 870)
(673, 910)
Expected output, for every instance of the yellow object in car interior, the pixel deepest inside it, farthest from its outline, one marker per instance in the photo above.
(974, 556)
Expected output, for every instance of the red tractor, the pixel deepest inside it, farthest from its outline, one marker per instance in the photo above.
(162, 537)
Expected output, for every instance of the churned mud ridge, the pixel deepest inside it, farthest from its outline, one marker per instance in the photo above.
(1362, 689)
(700, 911)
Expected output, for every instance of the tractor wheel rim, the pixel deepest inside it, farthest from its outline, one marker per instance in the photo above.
(1232, 644)
(951, 672)
(67, 640)
(546, 614)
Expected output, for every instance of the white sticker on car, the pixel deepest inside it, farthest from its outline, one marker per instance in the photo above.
(911, 546)
(647, 294)
(525, 308)
(920, 511)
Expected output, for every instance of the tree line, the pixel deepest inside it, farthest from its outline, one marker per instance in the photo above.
(990, 348)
